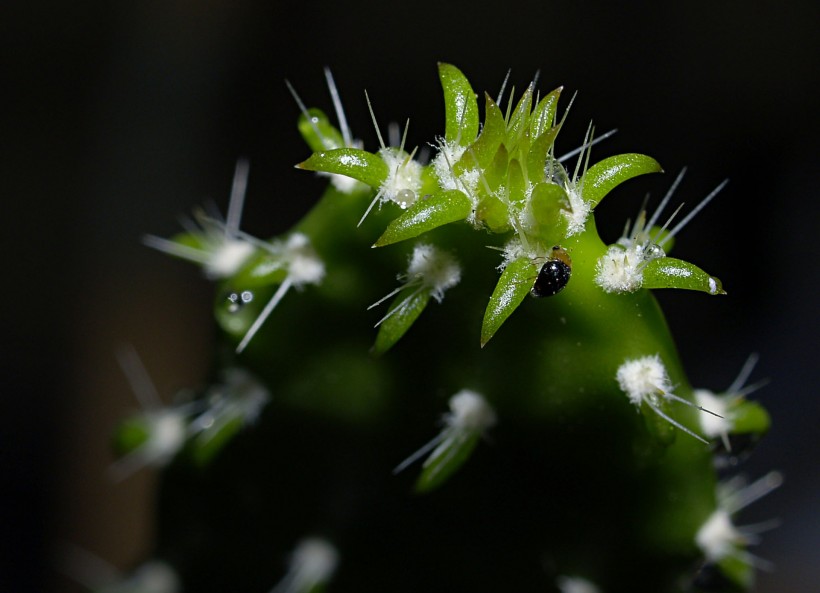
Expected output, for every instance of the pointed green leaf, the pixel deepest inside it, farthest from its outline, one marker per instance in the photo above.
(192, 240)
(263, 269)
(404, 311)
(130, 434)
(496, 172)
(546, 202)
(668, 272)
(749, 417)
(359, 164)
(318, 132)
(523, 149)
(514, 284)
(537, 156)
(544, 113)
(515, 181)
(493, 213)
(480, 154)
(446, 459)
(211, 441)
(737, 571)
(426, 214)
(520, 119)
(460, 105)
(604, 176)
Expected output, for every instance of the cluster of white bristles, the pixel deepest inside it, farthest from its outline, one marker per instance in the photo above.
(645, 380)
(430, 270)
(470, 414)
(449, 153)
(719, 538)
(723, 404)
(577, 209)
(569, 584)
(240, 397)
(297, 256)
(223, 249)
(621, 268)
(402, 185)
(312, 564)
(403, 182)
(343, 183)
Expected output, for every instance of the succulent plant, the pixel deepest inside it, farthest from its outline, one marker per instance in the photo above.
(558, 442)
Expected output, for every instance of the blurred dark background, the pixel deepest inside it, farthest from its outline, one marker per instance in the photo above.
(121, 116)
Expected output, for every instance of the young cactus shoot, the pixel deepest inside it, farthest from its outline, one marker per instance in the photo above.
(602, 464)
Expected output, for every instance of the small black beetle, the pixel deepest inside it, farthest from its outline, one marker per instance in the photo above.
(553, 275)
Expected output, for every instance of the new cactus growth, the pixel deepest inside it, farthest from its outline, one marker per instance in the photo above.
(576, 455)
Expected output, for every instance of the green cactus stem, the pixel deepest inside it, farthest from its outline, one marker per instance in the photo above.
(575, 454)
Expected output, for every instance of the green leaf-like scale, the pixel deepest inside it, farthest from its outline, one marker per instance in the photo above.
(359, 164)
(482, 151)
(544, 113)
(669, 272)
(515, 181)
(496, 173)
(520, 120)
(130, 434)
(604, 176)
(213, 440)
(426, 214)
(460, 105)
(411, 302)
(750, 417)
(514, 284)
(546, 202)
(537, 155)
(318, 132)
(446, 460)
(492, 212)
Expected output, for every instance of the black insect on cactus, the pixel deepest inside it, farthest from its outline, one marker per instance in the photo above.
(558, 442)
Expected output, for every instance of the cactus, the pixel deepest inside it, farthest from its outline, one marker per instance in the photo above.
(533, 429)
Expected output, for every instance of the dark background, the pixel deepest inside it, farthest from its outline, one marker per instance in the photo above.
(121, 116)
